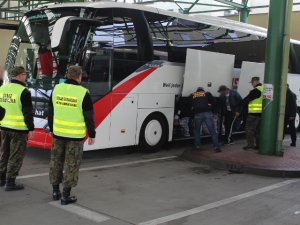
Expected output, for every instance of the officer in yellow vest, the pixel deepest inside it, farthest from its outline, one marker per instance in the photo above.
(253, 101)
(18, 120)
(70, 115)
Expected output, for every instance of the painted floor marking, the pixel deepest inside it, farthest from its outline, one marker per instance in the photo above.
(104, 167)
(82, 212)
(220, 203)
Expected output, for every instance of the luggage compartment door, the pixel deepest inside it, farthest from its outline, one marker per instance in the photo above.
(208, 70)
(123, 121)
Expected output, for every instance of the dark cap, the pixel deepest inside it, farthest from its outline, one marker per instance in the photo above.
(200, 89)
(223, 88)
(254, 79)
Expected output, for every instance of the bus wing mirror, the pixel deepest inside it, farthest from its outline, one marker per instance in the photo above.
(63, 25)
(58, 30)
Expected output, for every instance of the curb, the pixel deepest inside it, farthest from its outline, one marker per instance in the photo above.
(240, 168)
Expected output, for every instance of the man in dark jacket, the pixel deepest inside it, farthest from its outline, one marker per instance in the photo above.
(290, 115)
(15, 98)
(203, 103)
(71, 113)
(184, 111)
(230, 107)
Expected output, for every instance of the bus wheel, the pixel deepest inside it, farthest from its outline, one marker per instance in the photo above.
(297, 121)
(154, 133)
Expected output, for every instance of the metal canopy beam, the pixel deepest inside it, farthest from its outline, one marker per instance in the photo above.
(189, 9)
(231, 3)
(2, 3)
(216, 10)
(181, 2)
(242, 8)
(227, 4)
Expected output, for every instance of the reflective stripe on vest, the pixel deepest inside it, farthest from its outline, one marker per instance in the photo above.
(68, 118)
(255, 106)
(10, 99)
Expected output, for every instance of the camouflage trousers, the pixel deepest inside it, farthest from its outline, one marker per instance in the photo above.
(12, 152)
(252, 130)
(65, 155)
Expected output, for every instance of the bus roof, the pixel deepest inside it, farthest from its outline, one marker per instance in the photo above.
(205, 19)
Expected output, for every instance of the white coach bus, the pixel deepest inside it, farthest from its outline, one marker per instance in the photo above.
(133, 58)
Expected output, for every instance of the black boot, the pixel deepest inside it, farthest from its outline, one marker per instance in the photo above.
(293, 144)
(56, 195)
(2, 179)
(66, 198)
(12, 186)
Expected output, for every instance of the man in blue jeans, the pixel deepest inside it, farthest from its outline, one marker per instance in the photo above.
(202, 108)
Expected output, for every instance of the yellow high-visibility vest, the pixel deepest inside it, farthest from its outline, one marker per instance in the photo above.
(10, 100)
(68, 120)
(255, 106)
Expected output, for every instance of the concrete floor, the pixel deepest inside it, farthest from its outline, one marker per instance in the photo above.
(121, 187)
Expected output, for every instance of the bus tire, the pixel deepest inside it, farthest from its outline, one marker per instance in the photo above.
(154, 133)
(297, 120)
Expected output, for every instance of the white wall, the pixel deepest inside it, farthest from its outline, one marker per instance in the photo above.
(6, 36)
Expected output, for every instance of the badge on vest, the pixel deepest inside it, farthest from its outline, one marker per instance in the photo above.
(198, 94)
(66, 101)
(8, 98)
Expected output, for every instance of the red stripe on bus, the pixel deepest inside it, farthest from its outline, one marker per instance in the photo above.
(105, 105)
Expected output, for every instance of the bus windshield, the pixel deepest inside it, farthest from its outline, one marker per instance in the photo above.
(30, 41)
(31, 48)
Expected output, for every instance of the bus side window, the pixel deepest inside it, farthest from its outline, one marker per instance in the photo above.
(127, 54)
(97, 57)
(99, 71)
